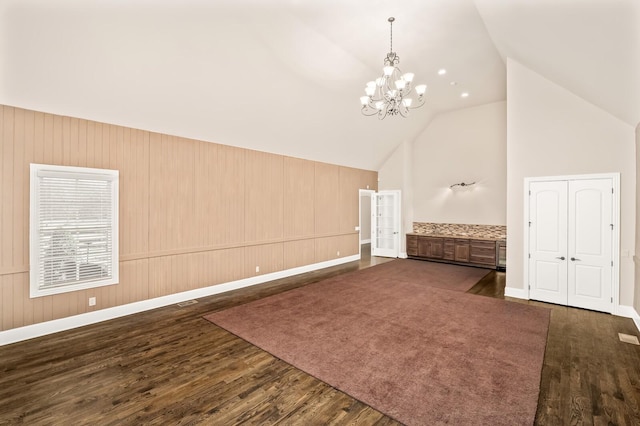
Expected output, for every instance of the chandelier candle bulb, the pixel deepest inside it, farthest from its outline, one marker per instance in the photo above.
(390, 93)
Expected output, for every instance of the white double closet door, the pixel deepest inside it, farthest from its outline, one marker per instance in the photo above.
(571, 240)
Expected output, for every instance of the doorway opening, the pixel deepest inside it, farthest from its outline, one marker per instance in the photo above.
(384, 223)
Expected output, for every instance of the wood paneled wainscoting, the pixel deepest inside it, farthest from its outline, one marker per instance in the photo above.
(193, 214)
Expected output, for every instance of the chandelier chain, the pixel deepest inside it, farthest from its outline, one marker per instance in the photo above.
(391, 35)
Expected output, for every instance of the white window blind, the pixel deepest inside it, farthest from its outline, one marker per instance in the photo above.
(74, 228)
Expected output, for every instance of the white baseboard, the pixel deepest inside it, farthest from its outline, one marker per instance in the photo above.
(628, 312)
(36, 330)
(365, 241)
(516, 293)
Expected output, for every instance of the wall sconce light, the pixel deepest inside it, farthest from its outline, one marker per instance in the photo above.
(462, 184)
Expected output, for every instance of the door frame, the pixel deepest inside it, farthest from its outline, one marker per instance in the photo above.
(367, 193)
(615, 250)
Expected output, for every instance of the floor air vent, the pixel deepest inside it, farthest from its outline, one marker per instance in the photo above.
(628, 338)
(187, 303)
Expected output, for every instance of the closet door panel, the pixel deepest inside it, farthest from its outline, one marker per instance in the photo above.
(548, 241)
(590, 244)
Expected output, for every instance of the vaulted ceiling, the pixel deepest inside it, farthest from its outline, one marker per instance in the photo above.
(285, 76)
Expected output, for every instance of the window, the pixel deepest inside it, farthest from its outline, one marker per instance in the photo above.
(73, 240)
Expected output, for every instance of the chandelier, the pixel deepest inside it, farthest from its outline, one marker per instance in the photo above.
(388, 94)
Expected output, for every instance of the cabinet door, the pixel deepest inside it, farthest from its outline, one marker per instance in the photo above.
(435, 248)
(483, 253)
(423, 247)
(461, 250)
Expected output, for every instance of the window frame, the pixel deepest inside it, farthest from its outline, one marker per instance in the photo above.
(69, 172)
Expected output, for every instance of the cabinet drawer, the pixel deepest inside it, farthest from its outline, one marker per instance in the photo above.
(412, 245)
(482, 252)
(449, 249)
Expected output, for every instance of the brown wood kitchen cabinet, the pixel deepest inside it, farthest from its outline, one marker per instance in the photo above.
(467, 251)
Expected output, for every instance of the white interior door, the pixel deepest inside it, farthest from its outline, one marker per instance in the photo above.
(385, 223)
(548, 242)
(590, 244)
(571, 243)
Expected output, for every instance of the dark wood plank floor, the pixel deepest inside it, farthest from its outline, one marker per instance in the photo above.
(169, 366)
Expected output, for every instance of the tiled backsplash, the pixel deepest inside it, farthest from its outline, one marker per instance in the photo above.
(480, 231)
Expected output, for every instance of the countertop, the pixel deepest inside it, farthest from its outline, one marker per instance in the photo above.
(460, 236)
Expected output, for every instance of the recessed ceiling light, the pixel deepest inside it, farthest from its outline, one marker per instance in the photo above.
(464, 95)
(453, 83)
(442, 71)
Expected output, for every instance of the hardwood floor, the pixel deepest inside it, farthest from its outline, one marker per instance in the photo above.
(589, 377)
(170, 366)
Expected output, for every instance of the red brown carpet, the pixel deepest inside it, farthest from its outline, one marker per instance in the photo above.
(394, 338)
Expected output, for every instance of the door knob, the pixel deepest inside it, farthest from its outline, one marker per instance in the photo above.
(561, 257)
(573, 259)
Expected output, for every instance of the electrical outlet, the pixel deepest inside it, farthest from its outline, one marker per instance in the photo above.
(92, 301)
(257, 269)
(338, 253)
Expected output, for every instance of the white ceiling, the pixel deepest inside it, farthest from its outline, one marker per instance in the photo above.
(285, 76)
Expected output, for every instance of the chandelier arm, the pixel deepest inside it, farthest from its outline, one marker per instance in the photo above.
(368, 114)
(420, 102)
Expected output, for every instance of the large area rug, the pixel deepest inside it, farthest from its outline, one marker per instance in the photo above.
(396, 337)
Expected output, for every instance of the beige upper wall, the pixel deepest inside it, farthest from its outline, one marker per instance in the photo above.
(552, 132)
(636, 303)
(468, 145)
